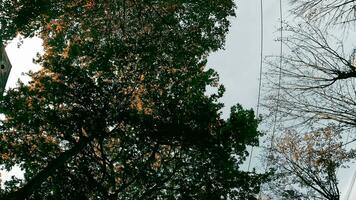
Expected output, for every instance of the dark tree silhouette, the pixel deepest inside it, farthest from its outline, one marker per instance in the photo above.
(119, 109)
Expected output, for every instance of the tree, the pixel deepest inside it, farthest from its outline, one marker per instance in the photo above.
(331, 12)
(318, 73)
(307, 164)
(317, 78)
(313, 85)
(119, 109)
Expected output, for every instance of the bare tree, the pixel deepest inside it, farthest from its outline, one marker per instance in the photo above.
(318, 78)
(307, 163)
(331, 12)
(311, 85)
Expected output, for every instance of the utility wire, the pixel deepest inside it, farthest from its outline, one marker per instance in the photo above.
(279, 74)
(352, 183)
(349, 190)
(260, 75)
(348, 194)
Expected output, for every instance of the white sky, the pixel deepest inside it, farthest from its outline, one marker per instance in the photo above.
(238, 64)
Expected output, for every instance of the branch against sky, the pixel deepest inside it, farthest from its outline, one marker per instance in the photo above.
(329, 12)
(307, 163)
(318, 78)
(314, 104)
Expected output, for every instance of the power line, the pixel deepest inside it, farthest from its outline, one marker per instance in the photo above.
(279, 74)
(349, 190)
(261, 60)
(348, 193)
(260, 75)
(352, 183)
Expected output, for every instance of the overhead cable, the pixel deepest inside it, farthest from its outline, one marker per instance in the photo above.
(260, 74)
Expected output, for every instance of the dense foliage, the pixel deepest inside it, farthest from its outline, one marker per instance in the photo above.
(119, 109)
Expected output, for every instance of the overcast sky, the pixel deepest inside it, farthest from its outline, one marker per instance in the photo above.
(238, 65)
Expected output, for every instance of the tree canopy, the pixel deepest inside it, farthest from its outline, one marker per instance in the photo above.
(119, 108)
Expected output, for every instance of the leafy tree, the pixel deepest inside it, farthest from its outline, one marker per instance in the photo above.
(119, 109)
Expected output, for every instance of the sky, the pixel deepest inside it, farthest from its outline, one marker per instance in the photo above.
(238, 65)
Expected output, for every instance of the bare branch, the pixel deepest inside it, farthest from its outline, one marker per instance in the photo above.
(318, 79)
(330, 12)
